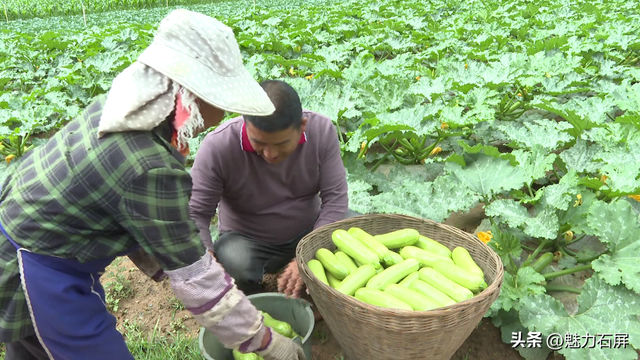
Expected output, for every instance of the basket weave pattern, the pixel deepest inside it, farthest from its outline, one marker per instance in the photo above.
(367, 332)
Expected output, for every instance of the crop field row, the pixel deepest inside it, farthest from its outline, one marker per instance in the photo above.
(529, 108)
(26, 9)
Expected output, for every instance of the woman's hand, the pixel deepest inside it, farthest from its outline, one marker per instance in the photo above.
(290, 282)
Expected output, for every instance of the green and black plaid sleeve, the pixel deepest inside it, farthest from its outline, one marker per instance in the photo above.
(155, 210)
(82, 197)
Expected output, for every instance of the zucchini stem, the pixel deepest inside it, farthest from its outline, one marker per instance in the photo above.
(382, 159)
(535, 253)
(576, 269)
(591, 258)
(563, 288)
(567, 251)
(578, 239)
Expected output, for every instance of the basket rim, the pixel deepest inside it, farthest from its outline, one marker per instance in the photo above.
(495, 285)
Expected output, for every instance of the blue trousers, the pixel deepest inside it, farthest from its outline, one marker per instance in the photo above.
(67, 306)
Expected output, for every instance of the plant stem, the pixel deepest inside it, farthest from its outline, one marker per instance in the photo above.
(384, 157)
(591, 258)
(563, 288)
(578, 239)
(530, 191)
(576, 269)
(535, 253)
(528, 248)
(569, 252)
(556, 174)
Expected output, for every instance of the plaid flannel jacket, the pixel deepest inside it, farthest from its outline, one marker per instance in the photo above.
(86, 198)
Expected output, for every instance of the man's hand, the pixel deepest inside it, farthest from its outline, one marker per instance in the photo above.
(290, 282)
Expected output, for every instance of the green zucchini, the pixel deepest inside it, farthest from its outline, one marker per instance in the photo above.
(333, 282)
(318, 270)
(415, 299)
(356, 279)
(380, 298)
(543, 261)
(331, 263)
(430, 291)
(393, 274)
(280, 327)
(460, 276)
(369, 241)
(425, 258)
(433, 246)
(462, 258)
(353, 247)
(450, 288)
(393, 258)
(345, 259)
(406, 282)
(237, 355)
(398, 238)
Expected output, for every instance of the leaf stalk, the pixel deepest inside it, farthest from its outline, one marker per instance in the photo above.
(563, 288)
(576, 269)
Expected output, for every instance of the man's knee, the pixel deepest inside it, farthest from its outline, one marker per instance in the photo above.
(234, 255)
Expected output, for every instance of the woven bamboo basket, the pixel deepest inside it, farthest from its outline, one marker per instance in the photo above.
(367, 332)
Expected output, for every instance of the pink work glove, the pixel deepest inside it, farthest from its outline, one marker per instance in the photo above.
(290, 282)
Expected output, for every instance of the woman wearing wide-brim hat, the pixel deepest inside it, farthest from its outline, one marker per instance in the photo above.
(113, 182)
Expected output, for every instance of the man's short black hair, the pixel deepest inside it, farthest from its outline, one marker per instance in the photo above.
(288, 112)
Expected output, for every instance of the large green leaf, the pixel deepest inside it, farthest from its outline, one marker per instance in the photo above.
(580, 157)
(509, 210)
(561, 195)
(486, 175)
(514, 288)
(616, 224)
(603, 311)
(579, 123)
(431, 200)
(534, 163)
(577, 213)
(622, 166)
(543, 225)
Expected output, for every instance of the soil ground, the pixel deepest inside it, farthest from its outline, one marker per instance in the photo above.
(152, 306)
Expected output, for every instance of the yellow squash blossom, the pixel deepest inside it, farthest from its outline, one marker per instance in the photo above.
(9, 158)
(579, 201)
(485, 236)
(568, 236)
(635, 197)
(603, 179)
(444, 126)
(435, 151)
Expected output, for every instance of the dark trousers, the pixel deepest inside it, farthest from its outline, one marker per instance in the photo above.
(28, 348)
(247, 260)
